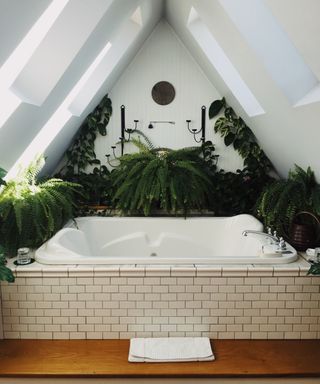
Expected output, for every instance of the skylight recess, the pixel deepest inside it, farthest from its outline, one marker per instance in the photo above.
(81, 94)
(120, 44)
(20, 56)
(222, 64)
(272, 45)
(56, 122)
(64, 41)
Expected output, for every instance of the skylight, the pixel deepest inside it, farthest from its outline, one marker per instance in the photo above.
(278, 54)
(20, 56)
(58, 50)
(120, 44)
(56, 122)
(222, 64)
(88, 73)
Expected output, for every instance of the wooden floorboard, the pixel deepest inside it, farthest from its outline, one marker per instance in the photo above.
(109, 358)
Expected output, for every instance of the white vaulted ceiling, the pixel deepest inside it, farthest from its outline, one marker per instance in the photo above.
(59, 57)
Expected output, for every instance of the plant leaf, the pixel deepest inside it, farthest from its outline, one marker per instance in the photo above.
(216, 107)
(6, 274)
(229, 139)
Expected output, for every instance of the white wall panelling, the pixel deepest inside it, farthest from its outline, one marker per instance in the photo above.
(164, 57)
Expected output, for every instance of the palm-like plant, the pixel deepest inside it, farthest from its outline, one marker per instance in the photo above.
(283, 199)
(32, 212)
(162, 178)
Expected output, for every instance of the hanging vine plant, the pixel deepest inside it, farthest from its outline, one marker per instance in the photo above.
(238, 192)
(236, 133)
(81, 154)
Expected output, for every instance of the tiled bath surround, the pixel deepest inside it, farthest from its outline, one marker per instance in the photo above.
(95, 302)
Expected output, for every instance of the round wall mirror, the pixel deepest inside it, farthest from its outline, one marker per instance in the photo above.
(163, 93)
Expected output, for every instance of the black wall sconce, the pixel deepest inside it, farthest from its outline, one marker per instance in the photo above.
(201, 130)
(122, 138)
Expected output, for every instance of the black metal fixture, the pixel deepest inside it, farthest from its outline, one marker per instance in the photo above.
(151, 124)
(125, 130)
(201, 130)
(122, 138)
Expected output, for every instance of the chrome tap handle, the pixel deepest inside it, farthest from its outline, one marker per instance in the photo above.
(275, 236)
(282, 244)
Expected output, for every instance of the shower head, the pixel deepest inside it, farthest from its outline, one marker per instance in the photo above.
(150, 126)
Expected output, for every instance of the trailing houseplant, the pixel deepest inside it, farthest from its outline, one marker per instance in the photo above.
(237, 192)
(235, 132)
(81, 156)
(82, 151)
(31, 211)
(163, 178)
(5, 272)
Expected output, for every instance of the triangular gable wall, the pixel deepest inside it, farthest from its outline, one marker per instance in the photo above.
(288, 133)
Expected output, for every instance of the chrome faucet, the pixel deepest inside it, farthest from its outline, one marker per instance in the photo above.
(274, 239)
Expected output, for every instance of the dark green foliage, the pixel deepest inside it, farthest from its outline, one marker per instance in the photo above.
(314, 269)
(283, 199)
(235, 132)
(171, 180)
(96, 186)
(5, 272)
(32, 212)
(216, 107)
(81, 153)
(2, 175)
(236, 193)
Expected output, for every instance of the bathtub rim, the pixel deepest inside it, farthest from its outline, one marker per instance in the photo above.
(75, 258)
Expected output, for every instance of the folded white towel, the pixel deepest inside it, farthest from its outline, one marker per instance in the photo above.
(170, 349)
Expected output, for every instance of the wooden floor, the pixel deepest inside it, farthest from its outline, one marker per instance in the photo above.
(108, 358)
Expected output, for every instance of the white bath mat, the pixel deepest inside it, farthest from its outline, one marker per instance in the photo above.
(170, 349)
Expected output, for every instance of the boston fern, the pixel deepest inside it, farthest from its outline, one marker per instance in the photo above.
(283, 199)
(32, 212)
(162, 178)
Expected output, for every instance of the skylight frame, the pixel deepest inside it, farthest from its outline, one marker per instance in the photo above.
(219, 60)
(14, 64)
(274, 48)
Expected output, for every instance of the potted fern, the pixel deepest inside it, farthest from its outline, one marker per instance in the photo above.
(31, 211)
(286, 204)
(166, 179)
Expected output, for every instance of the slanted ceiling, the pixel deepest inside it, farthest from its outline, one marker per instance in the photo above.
(59, 57)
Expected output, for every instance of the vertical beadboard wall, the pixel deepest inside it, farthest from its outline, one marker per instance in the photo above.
(164, 58)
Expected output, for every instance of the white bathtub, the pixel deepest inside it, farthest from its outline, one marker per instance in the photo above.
(123, 240)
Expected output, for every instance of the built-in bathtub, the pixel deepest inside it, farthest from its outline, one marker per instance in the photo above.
(139, 240)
